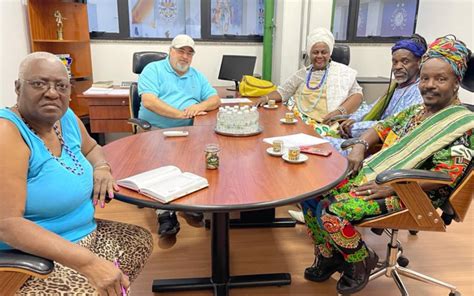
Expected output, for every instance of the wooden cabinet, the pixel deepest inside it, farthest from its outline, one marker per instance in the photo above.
(76, 43)
(108, 113)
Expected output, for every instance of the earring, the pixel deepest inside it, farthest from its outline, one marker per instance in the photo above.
(70, 99)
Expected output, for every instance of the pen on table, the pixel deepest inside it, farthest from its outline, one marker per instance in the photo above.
(124, 291)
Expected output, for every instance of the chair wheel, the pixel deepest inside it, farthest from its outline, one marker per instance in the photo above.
(413, 232)
(457, 293)
(403, 261)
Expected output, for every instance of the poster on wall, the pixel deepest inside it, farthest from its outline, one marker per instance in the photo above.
(386, 18)
(237, 17)
(164, 18)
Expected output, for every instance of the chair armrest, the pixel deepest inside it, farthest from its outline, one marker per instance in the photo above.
(143, 124)
(420, 213)
(14, 260)
(398, 176)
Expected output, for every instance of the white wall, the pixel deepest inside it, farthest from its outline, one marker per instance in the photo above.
(439, 17)
(286, 39)
(112, 61)
(14, 45)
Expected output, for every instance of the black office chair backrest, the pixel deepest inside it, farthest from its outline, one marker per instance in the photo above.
(341, 54)
(140, 60)
(468, 80)
(143, 58)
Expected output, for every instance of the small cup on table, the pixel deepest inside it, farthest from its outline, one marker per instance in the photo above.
(277, 146)
(271, 103)
(294, 153)
(289, 117)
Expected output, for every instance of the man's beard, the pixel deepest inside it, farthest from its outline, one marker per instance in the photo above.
(401, 79)
(182, 67)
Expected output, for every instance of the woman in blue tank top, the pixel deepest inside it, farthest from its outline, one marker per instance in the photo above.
(52, 175)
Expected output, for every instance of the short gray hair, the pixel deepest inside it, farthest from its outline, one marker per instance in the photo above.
(39, 55)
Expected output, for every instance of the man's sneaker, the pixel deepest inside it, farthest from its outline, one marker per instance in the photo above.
(297, 216)
(168, 224)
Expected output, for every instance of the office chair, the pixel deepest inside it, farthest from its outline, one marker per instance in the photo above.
(341, 53)
(140, 60)
(16, 267)
(468, 81)
(420, 215)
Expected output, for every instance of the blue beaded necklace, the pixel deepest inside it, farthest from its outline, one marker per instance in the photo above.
(319, 87)
(77, 169)
(321, 83)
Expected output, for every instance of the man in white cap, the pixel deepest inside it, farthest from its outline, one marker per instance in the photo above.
(173, 93)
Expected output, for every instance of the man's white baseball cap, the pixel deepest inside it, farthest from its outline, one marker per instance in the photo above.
(182, 40)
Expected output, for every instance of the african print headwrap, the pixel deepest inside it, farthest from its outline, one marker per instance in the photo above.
(414, 47)
(452, 51)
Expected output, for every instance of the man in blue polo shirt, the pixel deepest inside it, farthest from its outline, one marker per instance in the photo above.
(173, 93)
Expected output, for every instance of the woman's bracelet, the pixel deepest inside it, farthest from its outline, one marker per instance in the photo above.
(102, 164)
(342, 110)
(363, 142)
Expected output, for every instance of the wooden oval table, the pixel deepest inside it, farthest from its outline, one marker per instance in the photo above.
(247, 179)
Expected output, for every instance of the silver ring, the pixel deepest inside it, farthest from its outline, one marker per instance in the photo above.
(369, 192)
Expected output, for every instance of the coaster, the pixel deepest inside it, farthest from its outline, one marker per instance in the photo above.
(266, 106)
(301, 159)
(283, 120)
(273, 153)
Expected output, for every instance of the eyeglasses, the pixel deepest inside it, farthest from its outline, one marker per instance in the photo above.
(184, 52)
(39, 84)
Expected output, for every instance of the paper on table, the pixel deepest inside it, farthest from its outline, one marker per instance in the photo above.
(299, 140)
(119, 91)
(97, 91)
(234, 100)
(106, 91)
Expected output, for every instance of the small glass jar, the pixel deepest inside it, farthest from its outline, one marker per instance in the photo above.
(277, 146)
(212, 156)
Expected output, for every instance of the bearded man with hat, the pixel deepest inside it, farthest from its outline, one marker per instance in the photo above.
(173, 93)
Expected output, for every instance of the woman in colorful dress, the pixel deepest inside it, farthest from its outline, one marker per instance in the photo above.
(323, 89)
(435, 136)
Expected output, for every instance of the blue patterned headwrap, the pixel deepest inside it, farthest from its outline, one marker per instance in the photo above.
(414, 47)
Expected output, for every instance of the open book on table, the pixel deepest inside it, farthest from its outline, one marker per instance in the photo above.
(164, 184)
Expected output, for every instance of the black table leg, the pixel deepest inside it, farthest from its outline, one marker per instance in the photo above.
(221, 281)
